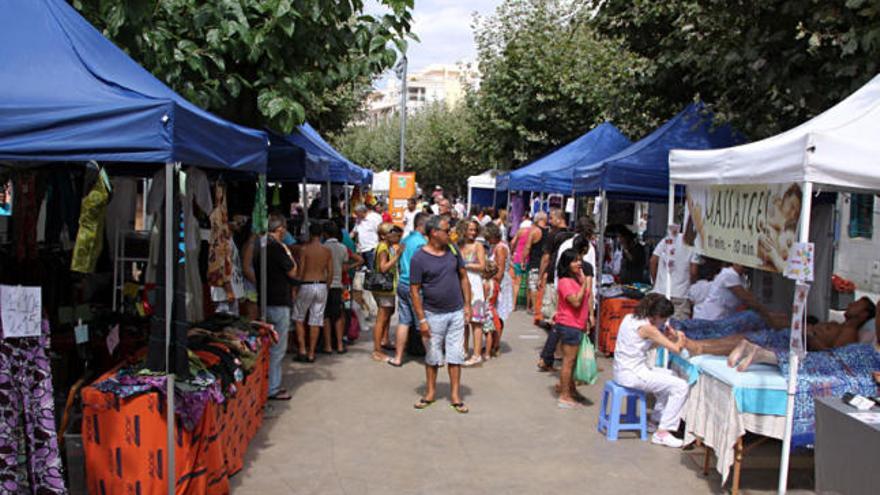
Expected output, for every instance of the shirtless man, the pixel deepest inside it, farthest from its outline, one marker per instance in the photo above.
(316, 275)
(820, 337)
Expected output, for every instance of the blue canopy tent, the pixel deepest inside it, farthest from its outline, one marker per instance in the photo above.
(289, 161)
(641, 171)
(342, 171)
(68, 94)
(553, 171)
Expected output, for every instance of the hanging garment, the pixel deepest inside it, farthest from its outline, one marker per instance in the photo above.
(220, 267)
(260, 217)
(29, 458)
(120, 211)
(90, 236)
(28, 196)
(62, 207)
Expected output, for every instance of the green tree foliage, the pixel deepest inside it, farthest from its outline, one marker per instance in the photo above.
(260, 62)
(547, 78)
(441, 146)
(766, 66)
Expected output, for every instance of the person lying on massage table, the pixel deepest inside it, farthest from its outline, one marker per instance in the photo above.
(742, 352)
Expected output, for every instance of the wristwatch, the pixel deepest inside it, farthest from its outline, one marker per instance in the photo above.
(423, 320)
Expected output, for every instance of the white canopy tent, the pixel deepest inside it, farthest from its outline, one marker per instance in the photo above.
(382, 181)
(482, 184)
(837, 149)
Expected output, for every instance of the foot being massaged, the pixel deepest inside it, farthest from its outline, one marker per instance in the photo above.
(747, 341)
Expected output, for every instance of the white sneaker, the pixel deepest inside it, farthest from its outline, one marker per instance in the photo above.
(666, 440)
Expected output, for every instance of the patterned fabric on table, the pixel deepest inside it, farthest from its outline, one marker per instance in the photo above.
(742, 322)
(828, 374)
(29, 457)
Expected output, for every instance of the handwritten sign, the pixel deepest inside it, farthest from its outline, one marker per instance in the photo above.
(21, 311)
(798, 342)
(799, 265)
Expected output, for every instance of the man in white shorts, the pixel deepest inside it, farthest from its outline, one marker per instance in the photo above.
(315, 275)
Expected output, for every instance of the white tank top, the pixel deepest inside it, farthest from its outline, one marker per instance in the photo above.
(631, 350)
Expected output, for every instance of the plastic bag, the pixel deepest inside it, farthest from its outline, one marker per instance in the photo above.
(585, 368)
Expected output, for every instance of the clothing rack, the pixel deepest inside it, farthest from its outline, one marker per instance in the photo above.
(123, 262)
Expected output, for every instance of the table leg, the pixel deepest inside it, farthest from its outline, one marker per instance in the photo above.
(737, 466)
(707, 458)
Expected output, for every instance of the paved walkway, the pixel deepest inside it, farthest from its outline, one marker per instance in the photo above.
(351, 429)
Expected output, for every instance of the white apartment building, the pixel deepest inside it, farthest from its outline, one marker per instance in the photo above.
(435, 83)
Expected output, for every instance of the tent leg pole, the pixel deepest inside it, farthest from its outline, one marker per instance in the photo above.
(329, 201)
(170, 257)
(600, 259)
(794, 358)
(264, 239)
(574, 207)
(305, 202)
(347, 205)
(670, 219)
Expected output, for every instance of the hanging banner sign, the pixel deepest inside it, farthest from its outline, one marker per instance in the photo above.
(753, 225)
(799, 265)
(798, 340)
(402, 187)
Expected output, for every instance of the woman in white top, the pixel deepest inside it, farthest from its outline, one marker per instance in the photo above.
(639, 332)
(728, 293)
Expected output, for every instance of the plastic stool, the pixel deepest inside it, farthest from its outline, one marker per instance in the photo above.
(611, 422)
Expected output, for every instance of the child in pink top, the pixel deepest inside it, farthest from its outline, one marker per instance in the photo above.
(572, 312)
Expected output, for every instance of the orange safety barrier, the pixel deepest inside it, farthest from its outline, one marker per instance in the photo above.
(610, 316)
(125, 439)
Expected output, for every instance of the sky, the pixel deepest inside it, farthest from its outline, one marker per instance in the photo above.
(444, 28)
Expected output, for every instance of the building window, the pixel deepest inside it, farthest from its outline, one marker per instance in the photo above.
(416, 94)
(861, 215)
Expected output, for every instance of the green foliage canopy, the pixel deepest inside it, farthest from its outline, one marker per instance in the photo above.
(260, 62)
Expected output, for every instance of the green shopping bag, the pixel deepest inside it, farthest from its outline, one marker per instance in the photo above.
(585, 368)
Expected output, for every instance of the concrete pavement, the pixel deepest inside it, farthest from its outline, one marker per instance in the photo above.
(351, 429)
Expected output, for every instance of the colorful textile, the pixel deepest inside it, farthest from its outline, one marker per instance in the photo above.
(260, 216)
(29, 458)
(125, 442)
(220, 267)
(90, 236)
(828, 374)
(741, 322)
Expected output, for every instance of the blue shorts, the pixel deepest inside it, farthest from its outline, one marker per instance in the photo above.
(447, 337)
(569, 335)
(405, 314)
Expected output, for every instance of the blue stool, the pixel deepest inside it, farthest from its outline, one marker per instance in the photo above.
(611, 422)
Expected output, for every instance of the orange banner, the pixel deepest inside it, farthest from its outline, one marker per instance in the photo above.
(403, 187)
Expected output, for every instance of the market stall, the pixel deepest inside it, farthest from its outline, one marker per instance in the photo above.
(641, 172)
(69, 95)
(836, 150)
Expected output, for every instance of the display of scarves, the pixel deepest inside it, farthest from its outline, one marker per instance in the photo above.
(90, 236)
(220, 266)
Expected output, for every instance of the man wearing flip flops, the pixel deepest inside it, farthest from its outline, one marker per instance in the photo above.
(441, 300)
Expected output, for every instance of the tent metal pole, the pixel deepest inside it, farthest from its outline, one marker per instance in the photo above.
(670, 218)
(329, 200)
(170, 258)
(264, 240)
(347, 205)
(600, 259)
(794, 358)
(305, 202)
(574, 208)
